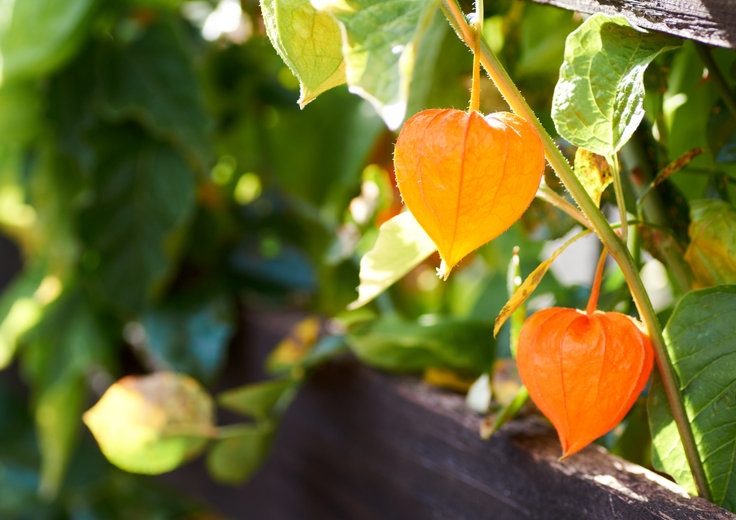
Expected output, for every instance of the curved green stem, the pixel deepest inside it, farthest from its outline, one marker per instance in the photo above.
(616, 247)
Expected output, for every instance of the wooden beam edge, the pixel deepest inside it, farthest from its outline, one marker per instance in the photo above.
(708, 21)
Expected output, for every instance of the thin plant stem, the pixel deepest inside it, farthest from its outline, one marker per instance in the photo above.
(618, 188)
(548, 195)
(595, 289)
(478, 37)
(616, 247)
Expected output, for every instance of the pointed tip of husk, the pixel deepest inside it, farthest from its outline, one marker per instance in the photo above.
(443, 271)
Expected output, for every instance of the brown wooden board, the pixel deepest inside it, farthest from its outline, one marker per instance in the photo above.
(359, 444)
(707, 21)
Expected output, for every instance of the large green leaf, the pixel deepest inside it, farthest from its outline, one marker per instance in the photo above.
(711, 252)
(392, 344)
(190, 338)
(380, 45)
(151, 80)
(143, 194)
(598, 101)
(309, 42)
(401, 245)
(36, 36)
(700, 341)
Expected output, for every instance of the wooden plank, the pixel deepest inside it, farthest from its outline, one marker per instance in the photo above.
(363, 445)
(707, 21)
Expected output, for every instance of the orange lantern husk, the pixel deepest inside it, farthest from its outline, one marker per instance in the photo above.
(466, 177)
(584, 371)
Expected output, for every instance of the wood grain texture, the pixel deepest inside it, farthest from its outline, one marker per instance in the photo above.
(362, 445)
(708, 21)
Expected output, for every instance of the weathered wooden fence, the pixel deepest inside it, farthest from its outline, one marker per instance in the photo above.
(362, 445)
(707, 21)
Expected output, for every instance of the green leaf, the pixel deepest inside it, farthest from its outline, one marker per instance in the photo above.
(699, 337)
(712, 249)
(401, 245)
(721, 133)
(20, 111)
(152, 424)
(380, 45)
(541, 52)
(668, 454)
(20, 310)
(57, 413)
(151, 80)
(37, 36)
(66, 343)
(143, 195)
(439, 342)
(234, 458)
(309, 42)
(260, 400)
(190, 338)
(599, 99)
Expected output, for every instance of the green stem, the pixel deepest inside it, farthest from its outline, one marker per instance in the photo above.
(618, 187)
(616, 247)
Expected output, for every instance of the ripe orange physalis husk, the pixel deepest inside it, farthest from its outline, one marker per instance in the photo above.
(467, 177)
(583, 371)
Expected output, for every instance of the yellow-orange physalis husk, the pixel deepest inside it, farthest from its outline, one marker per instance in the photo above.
(467, 177)
(583, 371)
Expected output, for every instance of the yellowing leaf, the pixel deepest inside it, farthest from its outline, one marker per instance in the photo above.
(529, 284)
(467, 178)
(712, 249)
(594, 173)
(294, 348)
(152, 424)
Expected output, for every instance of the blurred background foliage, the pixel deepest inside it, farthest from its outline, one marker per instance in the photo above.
(159, 180)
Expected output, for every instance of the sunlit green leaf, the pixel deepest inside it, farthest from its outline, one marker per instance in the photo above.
(152, 424)
(380, 63)
(401, 245)
(151, 80)
(699, 337)
(19, 312)
(259, 400)
(36, 36)
(397, 345)
(143, 195)
(598, 101)
(712, 249)
(309, 42)
(234, 458)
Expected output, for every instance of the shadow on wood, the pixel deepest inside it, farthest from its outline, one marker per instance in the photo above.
(363, 445)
